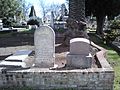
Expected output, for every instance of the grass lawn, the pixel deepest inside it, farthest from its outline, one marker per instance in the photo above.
(113, 58)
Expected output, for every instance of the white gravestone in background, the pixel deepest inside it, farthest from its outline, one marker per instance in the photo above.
(44, 40)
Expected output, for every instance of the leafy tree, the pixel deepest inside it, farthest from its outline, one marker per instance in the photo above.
(102, 8)
(9, 9)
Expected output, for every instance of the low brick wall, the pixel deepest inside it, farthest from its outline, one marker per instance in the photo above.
(39, 78)
(36, 78)
(76, 79)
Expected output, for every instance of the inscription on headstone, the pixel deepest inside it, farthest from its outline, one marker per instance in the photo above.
(44, 40)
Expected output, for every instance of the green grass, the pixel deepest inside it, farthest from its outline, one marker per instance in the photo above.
(9, 34)
(112, 57)
(5, 34)
(114, 60)
(16, 88)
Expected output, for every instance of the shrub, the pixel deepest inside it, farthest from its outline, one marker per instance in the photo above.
(110, 35)
(9, 22)
(33, 22)
(113, 32)
(115, 24)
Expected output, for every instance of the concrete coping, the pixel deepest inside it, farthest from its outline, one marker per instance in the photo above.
(80, 40)
(101, 56)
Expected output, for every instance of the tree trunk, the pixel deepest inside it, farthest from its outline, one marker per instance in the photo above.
(73, 9)
(81, 10)
(76, 20)
(100, 24)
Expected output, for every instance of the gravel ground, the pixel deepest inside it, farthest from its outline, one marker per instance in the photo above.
(10, 44)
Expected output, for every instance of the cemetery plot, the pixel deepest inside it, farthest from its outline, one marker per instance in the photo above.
(18, 59)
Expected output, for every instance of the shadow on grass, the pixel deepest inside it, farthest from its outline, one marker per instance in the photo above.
(16, 39)
(99, 41)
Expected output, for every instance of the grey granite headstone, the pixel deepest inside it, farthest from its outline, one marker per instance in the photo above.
(79, 55)
(80, 46)
(44, 40)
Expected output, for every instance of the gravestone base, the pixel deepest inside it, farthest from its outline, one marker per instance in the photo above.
(44, 64)
(79, 61)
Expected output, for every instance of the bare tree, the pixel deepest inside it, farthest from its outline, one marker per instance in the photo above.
(56, 9)
(49, 8)
(25, 8)
(44, 8)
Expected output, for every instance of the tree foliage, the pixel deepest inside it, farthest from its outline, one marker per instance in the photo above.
(102, 8)
(9, 9)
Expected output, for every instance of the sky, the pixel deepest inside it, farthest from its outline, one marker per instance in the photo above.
(37, 7)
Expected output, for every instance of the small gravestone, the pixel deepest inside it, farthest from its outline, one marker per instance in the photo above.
(79, 55)
(44, 40)
(1, 25)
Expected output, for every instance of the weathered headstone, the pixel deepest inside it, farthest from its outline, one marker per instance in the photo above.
(44, 40)
(79, 55)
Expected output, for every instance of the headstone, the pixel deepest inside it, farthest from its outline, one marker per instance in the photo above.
(52, 20)
(63, 10)
(80, 46)
(79, 55)
(1, 24)
(44, 40)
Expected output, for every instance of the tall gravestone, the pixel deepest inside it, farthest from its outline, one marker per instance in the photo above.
(44, 40)
(52, 20)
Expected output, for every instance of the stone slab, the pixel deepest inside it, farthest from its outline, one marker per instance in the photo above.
(18, 59)
(19, 55)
